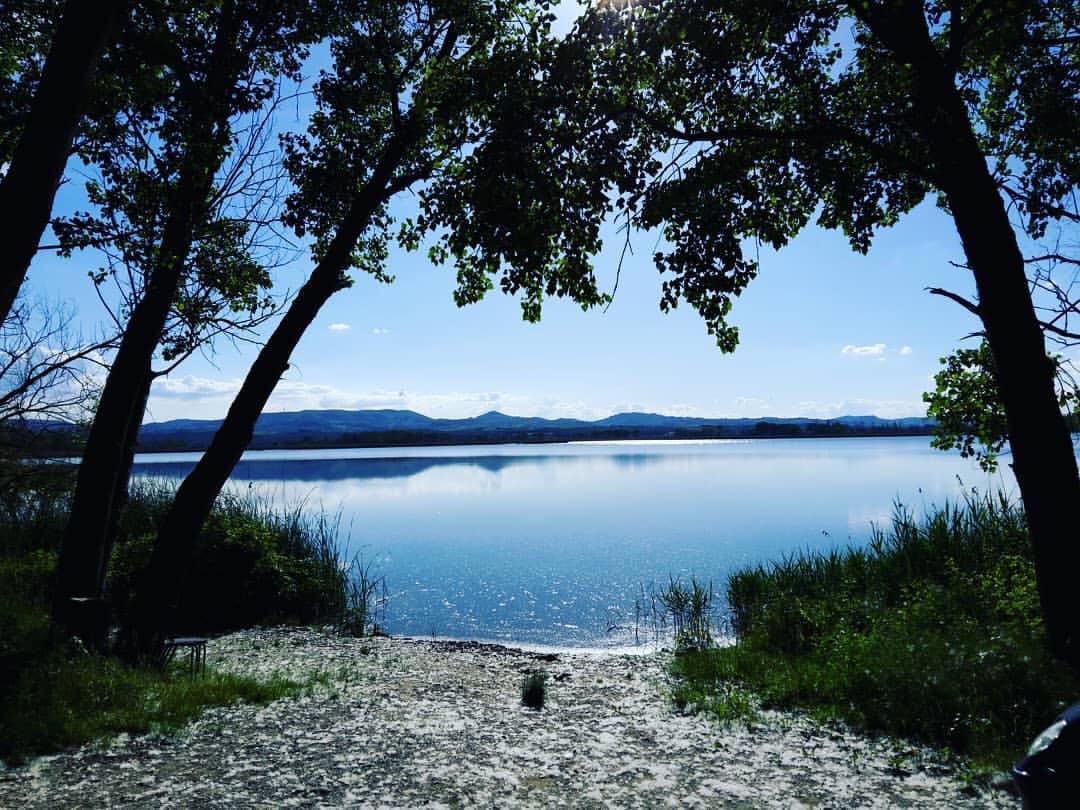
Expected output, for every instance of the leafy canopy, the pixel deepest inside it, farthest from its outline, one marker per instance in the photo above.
(733, 125)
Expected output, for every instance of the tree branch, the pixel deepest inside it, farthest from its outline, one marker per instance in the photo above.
(970, 306)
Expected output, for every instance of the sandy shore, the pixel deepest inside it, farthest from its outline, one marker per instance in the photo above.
(407, 723)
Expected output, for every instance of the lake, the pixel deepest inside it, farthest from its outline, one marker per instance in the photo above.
(552, 544)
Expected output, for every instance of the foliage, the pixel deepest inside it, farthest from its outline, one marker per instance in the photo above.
(26, 29)
(252, 564)
(146, 139)
(932, 632)
(966, 404)
(735, 125)
(968, 408)
(417, 90)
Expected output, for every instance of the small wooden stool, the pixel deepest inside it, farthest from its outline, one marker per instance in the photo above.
(196, 652)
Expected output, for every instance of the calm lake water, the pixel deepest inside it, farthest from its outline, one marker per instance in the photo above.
(552, 544)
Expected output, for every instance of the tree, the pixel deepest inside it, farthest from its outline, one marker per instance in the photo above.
(42, 139)
(413, 85)
(46, 369)
(166, 213)
(734, 122)
(49, 379)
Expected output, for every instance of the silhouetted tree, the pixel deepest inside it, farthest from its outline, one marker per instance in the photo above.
(730, 123)
(44, 136)
(413, 84)
(165, 213)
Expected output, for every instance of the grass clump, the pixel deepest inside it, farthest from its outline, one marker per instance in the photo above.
(534, 689)
(690, 608)
(932, 632)
(365, 601)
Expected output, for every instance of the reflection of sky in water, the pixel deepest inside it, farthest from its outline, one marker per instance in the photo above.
(551, 544)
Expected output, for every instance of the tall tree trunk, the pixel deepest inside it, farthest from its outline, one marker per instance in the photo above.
(1043, 458)
(1042, 451)
(102, 484)
(28, 188)
(160, 588)
(101, 487)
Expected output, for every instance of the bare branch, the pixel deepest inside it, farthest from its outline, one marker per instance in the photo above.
(959, 299)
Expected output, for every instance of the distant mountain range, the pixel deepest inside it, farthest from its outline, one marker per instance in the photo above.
(375, 428)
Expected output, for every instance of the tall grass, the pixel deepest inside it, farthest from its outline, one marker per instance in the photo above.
(690, 608)
(365, 600)
(931, 632)
(253, 563)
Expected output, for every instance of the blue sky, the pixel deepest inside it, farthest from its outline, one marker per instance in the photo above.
(824, 332)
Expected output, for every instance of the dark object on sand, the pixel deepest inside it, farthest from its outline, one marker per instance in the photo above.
(1049, 776)
(534, 689)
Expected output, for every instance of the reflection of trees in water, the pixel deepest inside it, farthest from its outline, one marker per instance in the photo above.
(314, 470)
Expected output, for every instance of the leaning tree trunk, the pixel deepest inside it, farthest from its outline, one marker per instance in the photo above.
(161, 585)
(101, 487)
(1043, 458)
(29, 186)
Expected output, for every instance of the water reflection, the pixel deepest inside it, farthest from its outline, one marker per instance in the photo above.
(551, 544)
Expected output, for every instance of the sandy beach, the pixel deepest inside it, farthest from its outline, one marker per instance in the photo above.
(414, 723)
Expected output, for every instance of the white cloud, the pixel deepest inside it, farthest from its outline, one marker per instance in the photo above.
(905, 350)
(380, 331)
(873, 350)
(189, 387)
(339, 327)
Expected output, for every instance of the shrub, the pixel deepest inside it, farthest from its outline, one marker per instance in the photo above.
(933, 632)
(252, 564)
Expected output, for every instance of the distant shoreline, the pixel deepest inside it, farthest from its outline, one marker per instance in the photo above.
(318, 430)
(451, 440)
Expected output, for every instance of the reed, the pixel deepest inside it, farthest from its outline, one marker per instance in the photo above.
(931, 632)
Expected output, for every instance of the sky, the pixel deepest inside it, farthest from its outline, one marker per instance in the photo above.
(824, 332)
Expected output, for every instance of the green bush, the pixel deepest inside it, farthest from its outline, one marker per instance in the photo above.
(933, 632)
(252, 565)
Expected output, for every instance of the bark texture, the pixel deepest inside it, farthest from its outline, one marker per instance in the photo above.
(29, 187)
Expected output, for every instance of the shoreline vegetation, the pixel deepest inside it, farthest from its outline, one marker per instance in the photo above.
(254, 565)
(930, 633)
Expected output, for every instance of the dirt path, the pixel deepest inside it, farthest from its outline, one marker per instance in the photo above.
(400, 723)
